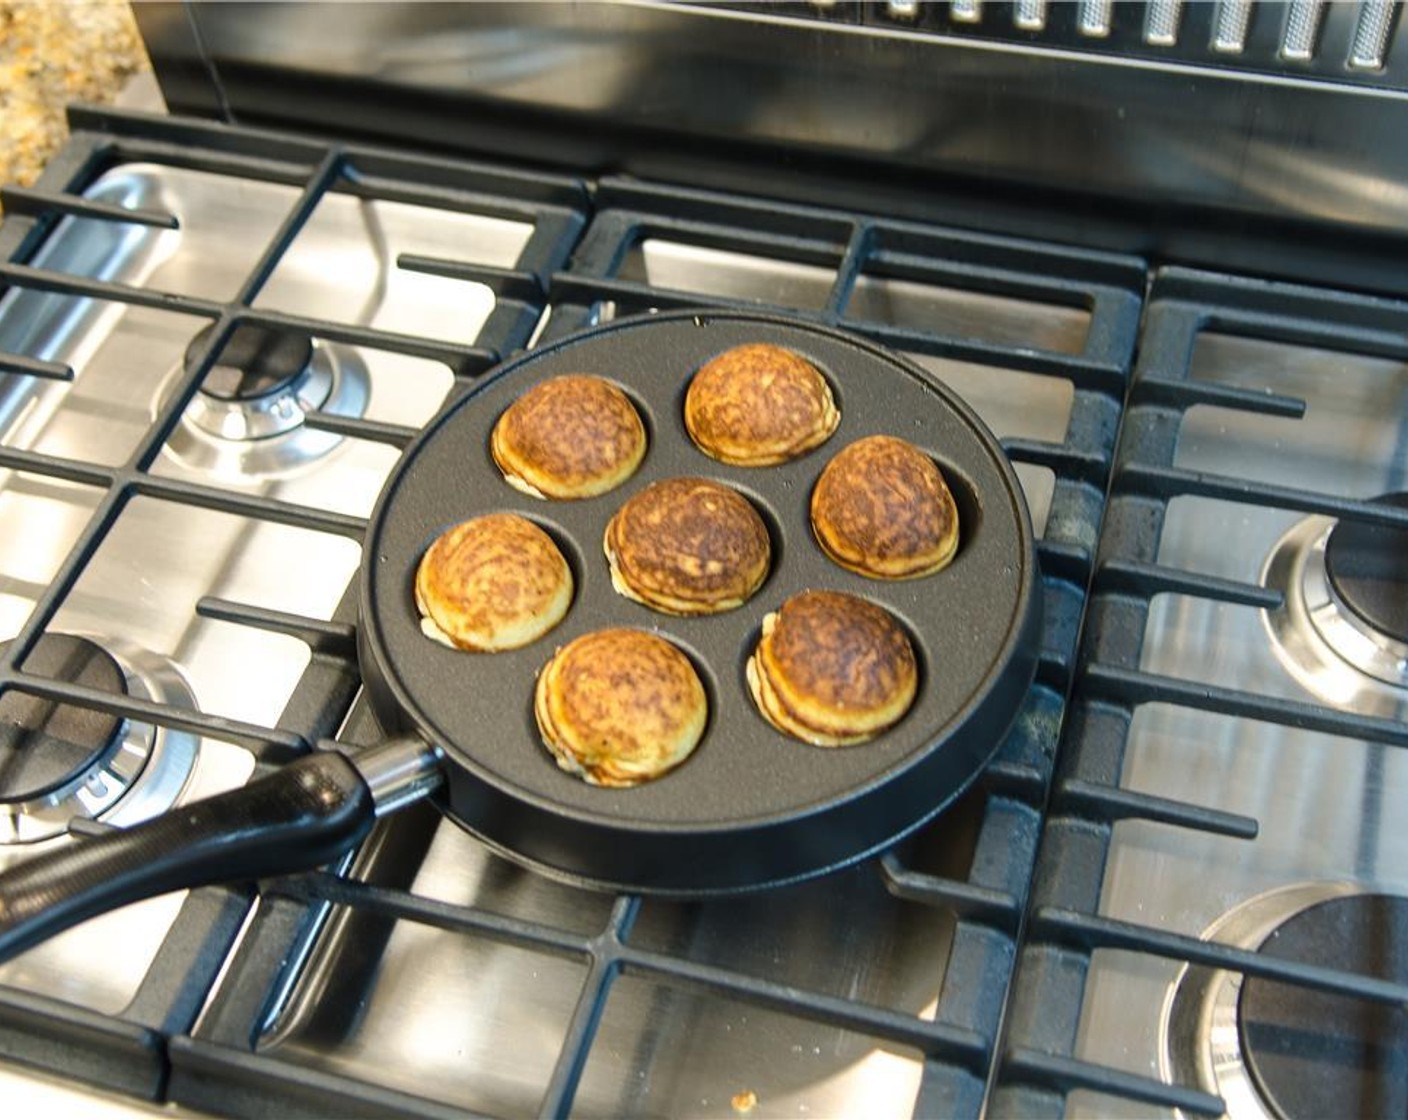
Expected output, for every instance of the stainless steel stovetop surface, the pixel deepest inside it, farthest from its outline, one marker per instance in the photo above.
(489, 1020)
(480, 1025)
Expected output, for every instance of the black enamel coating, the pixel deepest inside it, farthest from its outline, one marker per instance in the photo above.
(751, 807)
(256, 362)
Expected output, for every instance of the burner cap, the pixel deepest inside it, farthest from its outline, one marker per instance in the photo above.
(257, 362)
(1368, 568)
(46, 745)
(1315, 1054)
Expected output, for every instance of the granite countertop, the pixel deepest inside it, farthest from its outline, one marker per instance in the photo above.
(52, 53)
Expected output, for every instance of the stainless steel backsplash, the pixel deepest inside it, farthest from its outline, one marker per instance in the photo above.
(1141, 133)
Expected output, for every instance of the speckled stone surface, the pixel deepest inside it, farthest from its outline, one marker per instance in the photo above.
(52, 53)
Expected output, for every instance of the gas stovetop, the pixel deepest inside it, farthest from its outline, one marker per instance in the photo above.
(1161, 879)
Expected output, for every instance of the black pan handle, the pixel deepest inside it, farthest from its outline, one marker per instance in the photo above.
(301, 817)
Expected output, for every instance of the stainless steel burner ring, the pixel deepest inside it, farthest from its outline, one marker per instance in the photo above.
(266, 436)
(144, 776)
(1321, 642)
(1199, 1040)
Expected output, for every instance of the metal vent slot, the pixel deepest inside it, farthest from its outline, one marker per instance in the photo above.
(1030, 15)
(1161, 22)
(1326, 38)
(1230, 31)
(966, 11)
(1371, 34)
(1302, 28)
(1094, 17)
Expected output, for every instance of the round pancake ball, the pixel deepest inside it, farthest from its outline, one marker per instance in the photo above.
(832, 669)
(881, 508)
(492, 583)
(688, 546)
(620, 707)
(574, 436)
(758, 405)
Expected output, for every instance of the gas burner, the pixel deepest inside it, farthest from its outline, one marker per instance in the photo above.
(60, 762)
(1355, 1060)
(262, 385)
(1244, 1040)
(247, 418)
(1341, 630)
(1200, 1038)
(1368, 570)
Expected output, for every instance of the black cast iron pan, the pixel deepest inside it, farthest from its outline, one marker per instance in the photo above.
(751, 807)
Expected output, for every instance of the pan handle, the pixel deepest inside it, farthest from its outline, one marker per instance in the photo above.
(298, 818)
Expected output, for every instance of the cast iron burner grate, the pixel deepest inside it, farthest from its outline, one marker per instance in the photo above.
(1041, 1065)
(127, 1051)
(155, 1048)
(987, 900)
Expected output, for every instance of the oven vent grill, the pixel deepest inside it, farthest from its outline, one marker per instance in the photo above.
(1343, 40)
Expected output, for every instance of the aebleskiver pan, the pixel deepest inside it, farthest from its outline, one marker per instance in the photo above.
(751, 808)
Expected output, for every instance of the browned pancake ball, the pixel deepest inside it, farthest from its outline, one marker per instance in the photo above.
(620, 707)
(688, 546)
(574, 436)
(492, 583)
(881, 508)
(832, 669)
(759, 405)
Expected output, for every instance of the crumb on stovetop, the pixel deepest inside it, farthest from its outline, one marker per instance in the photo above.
(51, 55)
